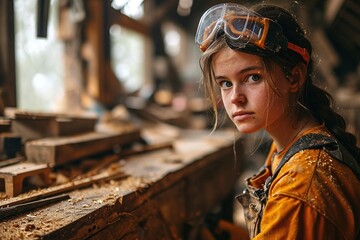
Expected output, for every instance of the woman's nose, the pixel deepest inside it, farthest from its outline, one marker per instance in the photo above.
(238, 96)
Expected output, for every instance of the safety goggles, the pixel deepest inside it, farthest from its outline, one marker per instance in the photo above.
(244, 29)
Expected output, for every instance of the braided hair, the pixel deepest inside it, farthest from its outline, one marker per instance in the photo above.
(316, 100)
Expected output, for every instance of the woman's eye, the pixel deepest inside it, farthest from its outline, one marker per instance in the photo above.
(253, 78)
(225, 84)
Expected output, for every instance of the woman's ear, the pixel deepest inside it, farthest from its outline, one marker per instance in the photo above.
(298, 77)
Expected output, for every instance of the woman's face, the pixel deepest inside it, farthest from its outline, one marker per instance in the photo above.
(249, 101)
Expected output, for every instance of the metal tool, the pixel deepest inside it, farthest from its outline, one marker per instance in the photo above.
(28, 206)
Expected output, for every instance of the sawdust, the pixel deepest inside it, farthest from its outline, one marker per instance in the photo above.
(40, 222)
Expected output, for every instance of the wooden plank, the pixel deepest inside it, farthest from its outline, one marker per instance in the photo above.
(63, 188)
(60, 150)
(14, 176)
(161, 217)
(106, 161)
(30, 129)
(35, 125)
(205, 177)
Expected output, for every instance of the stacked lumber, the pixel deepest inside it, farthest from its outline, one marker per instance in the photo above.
(53, 139)
(57, 138)
(59, 150)
(35, 125)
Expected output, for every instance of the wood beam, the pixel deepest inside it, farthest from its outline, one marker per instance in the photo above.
(7, 56)
(102, 83)
(118, 18)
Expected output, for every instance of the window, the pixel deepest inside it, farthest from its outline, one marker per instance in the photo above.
(131, 8)
(129, 49)
(38, 60)
(128, 57)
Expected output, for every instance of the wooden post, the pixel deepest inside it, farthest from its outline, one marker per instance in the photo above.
(101, 82)
(7, 56)
(70, 32)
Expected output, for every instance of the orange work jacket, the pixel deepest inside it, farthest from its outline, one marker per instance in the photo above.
(314, 196)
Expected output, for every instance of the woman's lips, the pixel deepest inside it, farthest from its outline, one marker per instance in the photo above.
(242, 116)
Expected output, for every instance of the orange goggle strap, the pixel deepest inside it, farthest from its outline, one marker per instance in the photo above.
(302, 51)
(265, 23)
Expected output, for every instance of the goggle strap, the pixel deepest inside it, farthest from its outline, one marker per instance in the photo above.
(302, 51)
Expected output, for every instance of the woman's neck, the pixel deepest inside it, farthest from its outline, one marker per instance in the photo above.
(287, 130)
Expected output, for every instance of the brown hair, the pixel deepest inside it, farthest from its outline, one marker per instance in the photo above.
(310, 97)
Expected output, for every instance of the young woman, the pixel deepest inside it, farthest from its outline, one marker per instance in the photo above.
(259, 60)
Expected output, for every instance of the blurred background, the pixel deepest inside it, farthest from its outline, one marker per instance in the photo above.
(134, 61)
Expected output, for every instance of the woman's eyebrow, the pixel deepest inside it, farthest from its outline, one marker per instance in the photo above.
(242, 71)
(250, 68)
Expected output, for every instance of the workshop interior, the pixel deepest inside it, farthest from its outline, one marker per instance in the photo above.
(105, 132)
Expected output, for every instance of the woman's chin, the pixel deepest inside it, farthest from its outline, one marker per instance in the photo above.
(246, 129)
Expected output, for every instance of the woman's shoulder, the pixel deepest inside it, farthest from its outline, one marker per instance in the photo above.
(314, 172)
(315, 178)
(297, 175)
(314, 168)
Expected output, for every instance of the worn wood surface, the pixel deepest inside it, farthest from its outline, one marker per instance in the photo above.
(60, 150)
(165, 196)
(14, 175)
(35, 125)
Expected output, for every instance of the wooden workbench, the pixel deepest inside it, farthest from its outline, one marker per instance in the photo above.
(165, 196)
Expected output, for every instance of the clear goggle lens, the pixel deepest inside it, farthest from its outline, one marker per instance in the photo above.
(238, 24)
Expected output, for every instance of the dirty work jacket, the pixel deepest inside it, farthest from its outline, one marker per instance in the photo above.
(313, 196)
